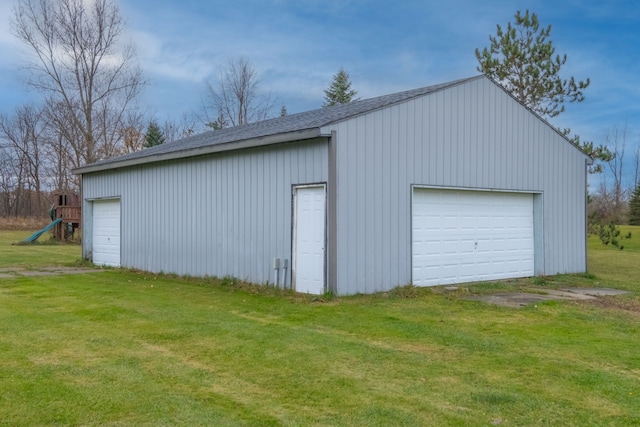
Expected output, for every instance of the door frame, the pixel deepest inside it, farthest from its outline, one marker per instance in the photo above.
(294, 231)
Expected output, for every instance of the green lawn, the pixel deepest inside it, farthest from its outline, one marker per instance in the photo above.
(44, 252)
(128, 348)
(615, 267)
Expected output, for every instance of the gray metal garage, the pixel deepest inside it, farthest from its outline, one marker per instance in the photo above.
(449, 183)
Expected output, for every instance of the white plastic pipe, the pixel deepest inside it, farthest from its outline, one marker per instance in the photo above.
(276, 271)
(285, 265)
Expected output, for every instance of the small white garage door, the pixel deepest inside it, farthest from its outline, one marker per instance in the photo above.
(464, 236)
(106, 232)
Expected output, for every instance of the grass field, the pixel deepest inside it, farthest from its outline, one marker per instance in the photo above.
(117, 347)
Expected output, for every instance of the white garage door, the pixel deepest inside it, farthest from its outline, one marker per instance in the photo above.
(466, 236)
(106, 232)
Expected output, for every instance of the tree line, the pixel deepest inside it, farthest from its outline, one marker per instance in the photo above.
(89, 82)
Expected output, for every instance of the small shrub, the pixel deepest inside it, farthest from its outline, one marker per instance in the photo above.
(228, 281)
(539, 280)
(407, 292)
(609, 234)
(587, 276)
(327, 296)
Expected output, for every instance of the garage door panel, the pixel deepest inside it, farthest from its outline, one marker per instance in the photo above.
(106, 232)
(463, 236)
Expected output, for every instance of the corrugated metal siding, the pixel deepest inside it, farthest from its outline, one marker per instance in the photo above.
(216, 215)
(472, 135)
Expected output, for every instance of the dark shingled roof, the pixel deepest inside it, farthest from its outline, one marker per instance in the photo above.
(307, 120)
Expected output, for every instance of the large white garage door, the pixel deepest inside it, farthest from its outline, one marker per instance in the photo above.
(465, 236)
(106, 232)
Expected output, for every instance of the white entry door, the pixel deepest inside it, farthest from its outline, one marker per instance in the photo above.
(309, 239)
(466, 236)
(106, 232)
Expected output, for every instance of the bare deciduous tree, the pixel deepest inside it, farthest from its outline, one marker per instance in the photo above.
(132, 132)
(616, 141)
(133, 139)
(77, 61)
(186, 126)
(235, 99)
(65, 142)
(636, 167)
(9, 177)
(24, 135)
(5, 185)
(58, 165)
(620, 177)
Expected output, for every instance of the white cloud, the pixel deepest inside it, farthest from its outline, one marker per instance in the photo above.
(161, 60)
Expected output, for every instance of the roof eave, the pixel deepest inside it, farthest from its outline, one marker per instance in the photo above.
(200, 151)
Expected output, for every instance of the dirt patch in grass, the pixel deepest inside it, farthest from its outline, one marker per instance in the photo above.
(535, 295)
(629, 305)
(44, 271)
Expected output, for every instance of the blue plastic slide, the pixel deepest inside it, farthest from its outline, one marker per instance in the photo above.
(39, 233)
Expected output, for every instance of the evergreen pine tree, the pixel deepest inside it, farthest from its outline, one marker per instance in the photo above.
(339, 92)
(523, 60)
(153, 136)
(634, 207)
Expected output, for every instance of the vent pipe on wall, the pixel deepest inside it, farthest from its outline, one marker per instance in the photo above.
(276, 271)
(285, 265)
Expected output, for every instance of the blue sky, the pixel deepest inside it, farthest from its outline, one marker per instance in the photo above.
(386, 46)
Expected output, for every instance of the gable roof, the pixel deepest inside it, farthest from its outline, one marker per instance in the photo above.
(294, 127)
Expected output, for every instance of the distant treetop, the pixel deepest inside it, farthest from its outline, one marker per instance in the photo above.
(339, 92)
(154, 135)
